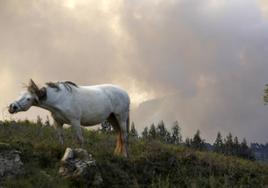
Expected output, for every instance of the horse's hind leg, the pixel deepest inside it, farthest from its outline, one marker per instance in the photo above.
(124, 128)
(112, 119)
(124, 131)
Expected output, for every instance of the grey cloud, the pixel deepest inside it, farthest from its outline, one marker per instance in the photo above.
(180, 41)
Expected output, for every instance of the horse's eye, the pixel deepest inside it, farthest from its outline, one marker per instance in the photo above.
(28, 99)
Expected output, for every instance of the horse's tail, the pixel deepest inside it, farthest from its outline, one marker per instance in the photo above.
(127, 135)
(128, 123)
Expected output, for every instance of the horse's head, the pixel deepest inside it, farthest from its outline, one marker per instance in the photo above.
(31, 97)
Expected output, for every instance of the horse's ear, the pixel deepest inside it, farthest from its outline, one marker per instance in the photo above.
(31, 83)
(32, 87)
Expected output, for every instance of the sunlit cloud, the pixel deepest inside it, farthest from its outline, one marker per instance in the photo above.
(263, 7)
(138, 94)
(71, 4)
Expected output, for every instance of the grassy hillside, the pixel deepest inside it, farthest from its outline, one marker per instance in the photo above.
(151, 164)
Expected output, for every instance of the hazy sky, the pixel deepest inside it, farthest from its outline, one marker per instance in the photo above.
(206, 61)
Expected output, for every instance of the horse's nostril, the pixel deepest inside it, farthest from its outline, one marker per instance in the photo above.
(12, 108)
(15, 107)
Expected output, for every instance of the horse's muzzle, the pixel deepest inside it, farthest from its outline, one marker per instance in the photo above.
(12, 108)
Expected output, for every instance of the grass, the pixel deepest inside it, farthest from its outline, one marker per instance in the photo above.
(151, 163)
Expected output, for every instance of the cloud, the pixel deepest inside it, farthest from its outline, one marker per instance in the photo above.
(206, 61)
(263, 7)
(213, 55)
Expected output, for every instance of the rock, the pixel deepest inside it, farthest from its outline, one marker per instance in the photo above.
(78, 164)
(10, 163)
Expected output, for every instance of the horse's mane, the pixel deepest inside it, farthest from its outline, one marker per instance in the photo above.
(56, 85)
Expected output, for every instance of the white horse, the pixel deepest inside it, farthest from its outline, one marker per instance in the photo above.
(80, 105)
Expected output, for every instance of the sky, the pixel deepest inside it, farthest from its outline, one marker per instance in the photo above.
(203, 63)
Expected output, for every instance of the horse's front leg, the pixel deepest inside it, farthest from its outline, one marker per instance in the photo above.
(58, 127)
(78, 132)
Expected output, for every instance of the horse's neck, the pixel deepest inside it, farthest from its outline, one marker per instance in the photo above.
(52, 102)
(47, 106)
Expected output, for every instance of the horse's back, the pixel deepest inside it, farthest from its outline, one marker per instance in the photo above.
(118, 97)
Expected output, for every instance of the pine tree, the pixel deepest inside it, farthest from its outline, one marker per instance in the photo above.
(244, 148)
(228, 145)
(133, 131)
(246, 151)
(161, 131)
(198, 142)
(176, 137)
(218, 144)
(236, 146)
(152, 132)
(145, 133)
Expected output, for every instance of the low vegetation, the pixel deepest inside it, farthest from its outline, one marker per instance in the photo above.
(152, 163)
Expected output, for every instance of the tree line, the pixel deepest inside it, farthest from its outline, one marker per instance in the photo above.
(228, 146)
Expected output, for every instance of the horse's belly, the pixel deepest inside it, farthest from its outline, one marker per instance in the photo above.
(93, 119)
(91, 122)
